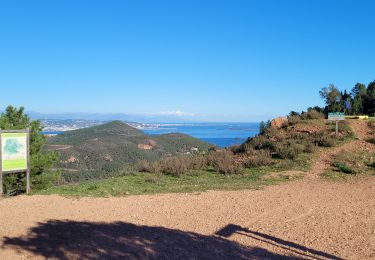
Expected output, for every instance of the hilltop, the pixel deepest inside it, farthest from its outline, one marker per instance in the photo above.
(110, 147)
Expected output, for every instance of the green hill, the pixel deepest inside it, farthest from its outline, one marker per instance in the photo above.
(106, 149)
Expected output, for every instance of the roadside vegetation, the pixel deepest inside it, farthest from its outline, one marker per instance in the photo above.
(281, 151)
(346, 165)
(150, 183)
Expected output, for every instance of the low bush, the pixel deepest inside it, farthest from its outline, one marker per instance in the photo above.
(372, 164)
(146, 166)
(345, 130)
(294, 119)
(197, 162)
(259, 142)
(224, 162)
(176, 165)
(289, 150)
(371, 140)
(87, 175)
(325, 140)
(258, 158)
(342, 167)
(312, 114)
(45, 180)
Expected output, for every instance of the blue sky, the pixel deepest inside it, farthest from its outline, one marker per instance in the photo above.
(211, 60)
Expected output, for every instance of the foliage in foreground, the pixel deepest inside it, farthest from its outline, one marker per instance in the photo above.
(41, 162)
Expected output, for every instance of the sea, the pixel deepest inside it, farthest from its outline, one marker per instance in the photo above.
(220, 134)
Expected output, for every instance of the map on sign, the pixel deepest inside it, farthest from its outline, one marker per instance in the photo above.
(336, 116)
(14, 151)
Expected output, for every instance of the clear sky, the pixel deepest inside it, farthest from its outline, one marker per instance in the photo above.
(219, 60)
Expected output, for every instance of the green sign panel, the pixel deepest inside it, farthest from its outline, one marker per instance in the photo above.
(336, 116)
(14, 152)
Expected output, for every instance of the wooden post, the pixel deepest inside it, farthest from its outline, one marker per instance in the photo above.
(1, 168)
(28, 162)
(337, 127)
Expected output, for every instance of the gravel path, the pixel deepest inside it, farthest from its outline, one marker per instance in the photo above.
(308, 219)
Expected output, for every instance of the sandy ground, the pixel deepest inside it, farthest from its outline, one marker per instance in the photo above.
(305, 219)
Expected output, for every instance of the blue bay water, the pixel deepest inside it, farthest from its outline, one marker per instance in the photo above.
(220, 134)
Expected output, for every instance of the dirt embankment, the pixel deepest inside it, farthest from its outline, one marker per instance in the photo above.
(305, 219)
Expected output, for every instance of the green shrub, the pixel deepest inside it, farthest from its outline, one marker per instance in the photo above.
(371, 140)
(261, 142)
(45, 180)
(289, 150)
(41, 161)
(342, 167)
(14, 183)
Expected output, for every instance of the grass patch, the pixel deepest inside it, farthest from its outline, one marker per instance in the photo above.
(150, 183)
(342, 167)
(346, 164)
(331, 175)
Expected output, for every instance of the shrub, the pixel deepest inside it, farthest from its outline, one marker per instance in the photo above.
(223, 162)
(346, 130)
(342, 167)
(312, 114)
(263, 126)
(45, 180)
(14, 183)
(288, 150)
(146, 166)
(260, 142)
(197, 162)
(258, 158)
(294, 113)
(309, 147)
(324, 140)
(371, 140)
(236, 148)
(293, 120)
(175, 166)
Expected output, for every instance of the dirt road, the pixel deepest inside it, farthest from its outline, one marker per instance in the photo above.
(309, 218)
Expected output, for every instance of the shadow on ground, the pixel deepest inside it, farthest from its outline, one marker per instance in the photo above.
(292, 247)
(87, 240)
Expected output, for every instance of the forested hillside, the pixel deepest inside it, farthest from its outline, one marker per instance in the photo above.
(107, 149)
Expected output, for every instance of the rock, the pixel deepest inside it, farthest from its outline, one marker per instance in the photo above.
(279, 122)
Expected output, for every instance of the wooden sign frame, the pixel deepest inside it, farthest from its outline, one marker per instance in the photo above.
(27, 170)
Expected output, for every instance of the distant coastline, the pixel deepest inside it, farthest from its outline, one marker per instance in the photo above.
(220, 134)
